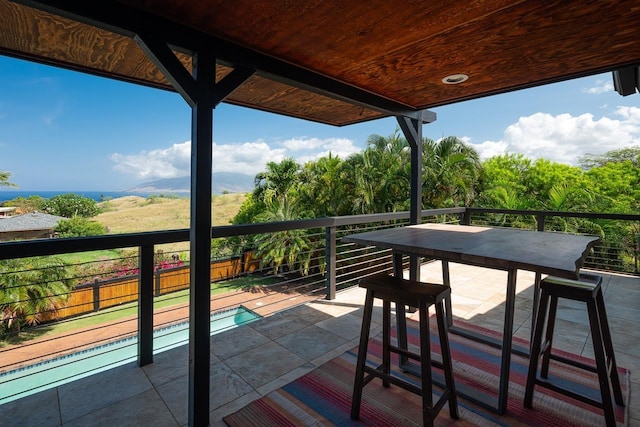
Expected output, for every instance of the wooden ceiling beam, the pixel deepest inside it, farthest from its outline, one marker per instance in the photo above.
(125, 20)
(231, 82)
(167, 62)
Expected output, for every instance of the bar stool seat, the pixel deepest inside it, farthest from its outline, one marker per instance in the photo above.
(421, 296)
(588, 290)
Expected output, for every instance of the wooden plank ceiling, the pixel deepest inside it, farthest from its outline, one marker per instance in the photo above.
(338, 61)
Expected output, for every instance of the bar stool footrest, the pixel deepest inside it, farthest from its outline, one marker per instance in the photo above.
(577, 396)
(375, 373)
(575, 363)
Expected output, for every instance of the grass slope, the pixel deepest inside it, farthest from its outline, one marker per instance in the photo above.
(134, 214)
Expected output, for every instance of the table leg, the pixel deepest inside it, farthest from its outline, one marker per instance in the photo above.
(498, 405)
(536, 303)
(507, 339)
(401, 317)
(446, 281)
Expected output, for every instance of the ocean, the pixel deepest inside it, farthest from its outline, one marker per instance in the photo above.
(95, 195)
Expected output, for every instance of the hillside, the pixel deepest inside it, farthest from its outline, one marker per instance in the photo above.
(135, 214)
(221, 182)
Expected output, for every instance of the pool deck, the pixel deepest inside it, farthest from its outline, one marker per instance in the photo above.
(263, 301)
(252, 360)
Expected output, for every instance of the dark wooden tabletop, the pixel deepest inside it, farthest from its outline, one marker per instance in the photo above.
(551, 253)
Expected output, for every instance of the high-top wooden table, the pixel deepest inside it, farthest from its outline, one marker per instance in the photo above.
(505, 249)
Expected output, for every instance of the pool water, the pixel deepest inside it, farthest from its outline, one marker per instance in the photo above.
(51, 373)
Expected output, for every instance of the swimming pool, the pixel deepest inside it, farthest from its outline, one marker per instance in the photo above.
(51, 373)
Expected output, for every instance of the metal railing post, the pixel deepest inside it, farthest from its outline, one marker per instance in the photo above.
(145, 306)
(635, 255)
(96, 295)
(330, 257)
(158, 283)
(465, 217)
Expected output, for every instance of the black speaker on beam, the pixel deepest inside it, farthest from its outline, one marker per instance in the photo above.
(626, 80)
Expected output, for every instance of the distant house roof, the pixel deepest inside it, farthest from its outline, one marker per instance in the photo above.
(6, 210)
(28, 222)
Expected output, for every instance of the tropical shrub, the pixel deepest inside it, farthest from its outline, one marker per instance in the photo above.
(31, 289)
(79, 227)
(70, 205)
(27, 204)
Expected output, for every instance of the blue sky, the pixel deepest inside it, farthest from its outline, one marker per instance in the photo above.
(66, 131)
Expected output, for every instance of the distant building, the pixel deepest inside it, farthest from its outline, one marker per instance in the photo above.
(7, 211)
(33, 225)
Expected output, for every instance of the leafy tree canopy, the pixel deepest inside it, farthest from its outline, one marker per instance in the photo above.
(618, 186)
(70, 205)
(378, 180)
(28, 204)
(631, 154)
(79, 227)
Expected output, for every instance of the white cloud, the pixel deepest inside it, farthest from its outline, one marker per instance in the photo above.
(169, 162)
(564, 138)
(491, 148)
(338, 147)
(247, 158)
(303, 144)
(601, 86)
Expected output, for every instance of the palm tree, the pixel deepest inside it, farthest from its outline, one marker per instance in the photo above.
(382, 176)
(290, 248)
(323, 189)
(277, 180)
(567, 198)
(4, 180)
(450, 172)
(30, 289)
(507, 198)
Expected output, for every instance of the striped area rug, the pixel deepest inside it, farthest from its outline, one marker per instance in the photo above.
(323, 396)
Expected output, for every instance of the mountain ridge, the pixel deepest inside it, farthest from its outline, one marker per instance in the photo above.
(221, 182)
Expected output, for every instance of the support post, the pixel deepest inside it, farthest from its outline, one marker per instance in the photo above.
(204, 66)
(330, 258)
(412, 129)
(145, 305)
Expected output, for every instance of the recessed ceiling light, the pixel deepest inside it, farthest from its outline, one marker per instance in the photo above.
(454, 79)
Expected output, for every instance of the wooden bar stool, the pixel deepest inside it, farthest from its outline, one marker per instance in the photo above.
(587, 290)
(421, 296)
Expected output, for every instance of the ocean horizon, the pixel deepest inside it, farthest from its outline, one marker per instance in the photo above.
(98, 196)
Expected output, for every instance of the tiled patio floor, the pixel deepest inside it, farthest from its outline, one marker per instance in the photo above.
(250, 361)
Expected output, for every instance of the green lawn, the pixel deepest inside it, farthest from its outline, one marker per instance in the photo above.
(79, 258)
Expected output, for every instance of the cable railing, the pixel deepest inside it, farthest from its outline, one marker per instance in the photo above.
(322, 266)
(618, 251)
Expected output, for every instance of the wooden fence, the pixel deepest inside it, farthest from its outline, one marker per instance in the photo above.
(91, 297)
